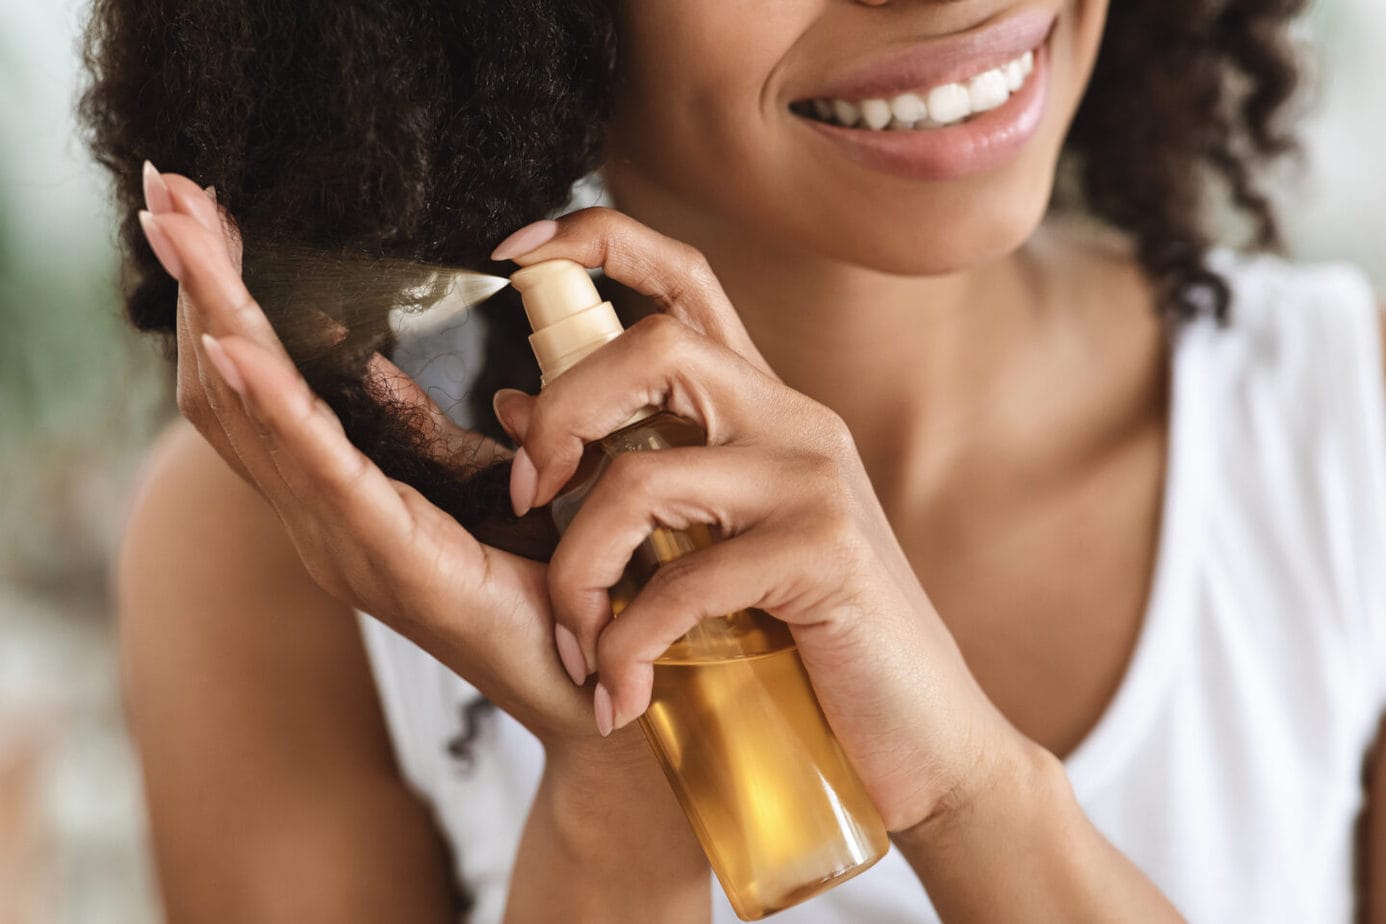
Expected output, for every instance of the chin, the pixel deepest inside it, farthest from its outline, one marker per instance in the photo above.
(935, 233)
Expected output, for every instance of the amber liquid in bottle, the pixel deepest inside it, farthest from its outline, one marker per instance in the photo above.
(776, 805)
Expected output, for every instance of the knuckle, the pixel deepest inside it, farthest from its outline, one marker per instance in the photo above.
(606, 225)
(825, 436)
(300, 411)
(537, 430)
(607, 219)
(560, 452)
(662, 333)
(836, 436)
(245, 306)
(624, 664)
(599, 214)
(632, 473)
(566, 457)
(327, 414)
(696, 266)
(613, 656)
(562, 575)
(675, 584)
(546, 440)
(356, 476)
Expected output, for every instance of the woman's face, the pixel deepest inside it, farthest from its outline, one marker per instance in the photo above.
(737, 112)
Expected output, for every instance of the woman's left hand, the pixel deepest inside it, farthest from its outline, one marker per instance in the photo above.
(805, 538)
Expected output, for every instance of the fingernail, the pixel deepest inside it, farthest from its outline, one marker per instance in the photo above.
(157, 197)
(524, 481)
(526, 239)
(211, 192)
(601, 706)
(498, 401)
(225, 366)
(570, 653)
(162, 246)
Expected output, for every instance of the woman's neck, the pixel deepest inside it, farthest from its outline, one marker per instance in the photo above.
(928, 371)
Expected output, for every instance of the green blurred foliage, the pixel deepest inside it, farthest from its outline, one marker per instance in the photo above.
(80, 394)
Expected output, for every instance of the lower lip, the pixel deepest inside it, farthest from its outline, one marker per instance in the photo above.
(985, 143)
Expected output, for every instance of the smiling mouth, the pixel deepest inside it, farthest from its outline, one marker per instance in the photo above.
(926, 109)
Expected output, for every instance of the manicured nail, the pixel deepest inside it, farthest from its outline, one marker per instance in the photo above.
(570, 653)
(157, 197)
(502, 397)
(524, 481)
(526, 239)
(162, 246)
(225, 366)
(601, 706)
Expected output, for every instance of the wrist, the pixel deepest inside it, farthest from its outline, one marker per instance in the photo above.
(1015, 846)
(609, 799)
(603, 844)
(1014, 789)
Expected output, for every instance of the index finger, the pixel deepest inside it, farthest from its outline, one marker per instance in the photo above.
(190, 199)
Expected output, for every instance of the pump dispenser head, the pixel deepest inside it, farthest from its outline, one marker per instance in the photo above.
(566, 313)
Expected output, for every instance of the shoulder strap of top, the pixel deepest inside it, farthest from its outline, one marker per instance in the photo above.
(416, 701)
(1298, 395)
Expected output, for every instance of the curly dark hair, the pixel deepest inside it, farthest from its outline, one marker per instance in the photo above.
(1185, 91)
(366, 128)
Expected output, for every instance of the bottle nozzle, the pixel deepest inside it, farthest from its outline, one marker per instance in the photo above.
(566, 313)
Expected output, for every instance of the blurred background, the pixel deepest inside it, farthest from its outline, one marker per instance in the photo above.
(80, 397)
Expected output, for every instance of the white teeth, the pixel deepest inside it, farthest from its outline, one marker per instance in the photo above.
(987, 91)
(949, 103)
(933, 108)
(875, 113)
(908, 107)
(1015, 76)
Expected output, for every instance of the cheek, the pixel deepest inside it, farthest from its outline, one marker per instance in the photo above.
(691, 105)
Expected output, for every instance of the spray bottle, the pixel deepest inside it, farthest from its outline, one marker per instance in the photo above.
(733, 720)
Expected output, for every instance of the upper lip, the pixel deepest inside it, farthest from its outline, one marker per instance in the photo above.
(938, 61)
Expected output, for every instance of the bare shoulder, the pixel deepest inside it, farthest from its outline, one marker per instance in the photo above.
(271, 785)
(189, 507)
(206, 577)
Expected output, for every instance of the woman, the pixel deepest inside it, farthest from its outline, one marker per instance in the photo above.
(1085, 580)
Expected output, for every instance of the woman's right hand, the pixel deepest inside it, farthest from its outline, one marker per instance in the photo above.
(372, 542)
(604, 816)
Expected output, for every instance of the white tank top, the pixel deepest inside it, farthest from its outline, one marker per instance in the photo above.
(1228, 766)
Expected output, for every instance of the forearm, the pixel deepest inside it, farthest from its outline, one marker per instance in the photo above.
(609, 848)
(1023, 850)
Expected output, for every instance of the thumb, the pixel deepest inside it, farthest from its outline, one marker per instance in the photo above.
(513, 408)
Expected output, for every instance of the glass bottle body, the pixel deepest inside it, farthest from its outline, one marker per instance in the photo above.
(734, 722)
